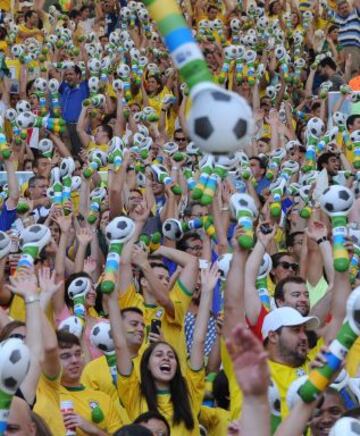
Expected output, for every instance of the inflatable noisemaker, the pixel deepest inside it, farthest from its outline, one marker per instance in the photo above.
(275, 160)
(244, 210)
(245, 170)
(250, 58)
(73, 325)
(225, 69)
(118, 232)
(32, 240)
(123, 71)
(4, 147)
(190, 181)
(14, 365)
(239, 68)
(208, 194)
(105, 69)
(11, 116)
(5, 245)
(97, 196)
(261, 281)
(46, 147)
(96, 101)
(219, 30)
(55, 97)
(151, 241)
(57, 186)
(115, 153)
(101, 338)
(55, 125)
(320, 378)
(206, 166)
(41, 86)
(67, 168)
(355, 140)
(330, 136)
(97, 159)
(174, 229)
(281, 56)
(336, 201)
(277, 192)
(208, 224)
(162, 176)
(208, 100)
(354, 235)
(77, 291)
(275, 406)
(306, 210)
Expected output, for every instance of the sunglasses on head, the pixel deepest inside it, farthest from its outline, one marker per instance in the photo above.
(288, 265)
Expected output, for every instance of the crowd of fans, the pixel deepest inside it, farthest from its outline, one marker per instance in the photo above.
(158, 289)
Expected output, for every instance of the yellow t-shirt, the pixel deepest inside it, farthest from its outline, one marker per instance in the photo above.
(5, 5)
(156, 102)
(48, 404)
(85, 399)
(135, 404)
(215, 420)
(30, 33)
(353, 360)
(131, 298)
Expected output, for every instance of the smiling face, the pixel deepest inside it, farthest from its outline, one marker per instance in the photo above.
(162, 364)
(72, 363)
(296, 295)
(90, 297)
(326, 414)
(134, 326)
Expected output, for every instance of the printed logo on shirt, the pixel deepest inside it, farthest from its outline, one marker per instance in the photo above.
(159, 313)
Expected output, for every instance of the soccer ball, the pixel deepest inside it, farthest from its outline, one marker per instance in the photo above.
(274, 399)
(315, 127)
(46, 146)
(224, 262)
(291, 166)
(280, 52)
(75, 183)
(53, 85)
(117, 85)
(139, 140)
(291, 145)
(265, 266)
(346, 426)
(17, 50)
(292, 396)
(114, 38)
(93, 83)
(94, 65)
(98, 155)
(36, 235)
(40, 84)
(235, 25)
(305, 192)
(11, 114)
(172, 229)
(67, 166)
(339, 118)
(336, 200)
(271, 92)
(220, 121)
(192, 150)
(120, 229)
(79, 287)
(242, 201)
(123, 71)
(25, 120)
(115, 143)
(129, 44)
(231, 52)
(101, 337)
(98, 194)
(170, 148)
(23, 106)
(353, 310)
(72, 325)
(14, 364)
(5, 244)
(355, 137)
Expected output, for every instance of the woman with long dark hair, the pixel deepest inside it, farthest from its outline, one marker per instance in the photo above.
(165, 385)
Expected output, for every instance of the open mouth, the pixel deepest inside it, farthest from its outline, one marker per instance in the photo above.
(165, 368)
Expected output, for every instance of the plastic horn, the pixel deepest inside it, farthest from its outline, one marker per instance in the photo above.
(277, 192)
(276, 157)
(244, 210)
(96, 198)
(32, 240)
(57, 186)
(101, 338)
(208, 194)
(320, 378)
(206, 166)
(163, 177)
(355, 140)
(336, 201)
(77, 291)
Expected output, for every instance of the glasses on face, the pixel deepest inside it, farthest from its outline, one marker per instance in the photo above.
(288, 265)
(183, 139)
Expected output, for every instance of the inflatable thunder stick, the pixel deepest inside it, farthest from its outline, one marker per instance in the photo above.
(244, 210)
(32, 240)
(208, 100)
(101, 338)
(77, 291)
(320, 378)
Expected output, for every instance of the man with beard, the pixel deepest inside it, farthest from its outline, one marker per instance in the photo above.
(285, 340)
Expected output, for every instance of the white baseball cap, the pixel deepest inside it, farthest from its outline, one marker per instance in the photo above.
(286, 317)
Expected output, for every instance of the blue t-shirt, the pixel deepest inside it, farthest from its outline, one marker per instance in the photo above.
(7, 217)
(71, 100)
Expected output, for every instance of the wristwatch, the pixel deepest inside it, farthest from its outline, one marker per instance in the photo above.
(321, 240)
(32, 299)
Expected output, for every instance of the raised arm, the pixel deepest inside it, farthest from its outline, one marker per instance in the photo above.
(13, 186)
(84, 237)
(209, 279)
(81, 127)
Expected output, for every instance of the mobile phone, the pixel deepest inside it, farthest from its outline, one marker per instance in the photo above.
(155, 326)
(265, 229)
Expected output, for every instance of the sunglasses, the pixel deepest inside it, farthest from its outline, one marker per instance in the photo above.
(288, 265)
(180, 139)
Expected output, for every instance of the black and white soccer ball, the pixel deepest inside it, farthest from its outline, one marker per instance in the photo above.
(23, 106)
(224, 262)
(355, 137)
(79, 286)
(172, 230)
(14, 364)
(339, 118)
(305, 192)
(98, 193)
(67, 166)
(265, 266)
(115, 143)
(315, 127)
(93, 84)
(53, 85)
(98, 155)
(101, 337)
(37, 235)
(25, 120)
(123, 71)
(346, 426)
(120, 229)
(11, 114)
(274, 399)
(94, 65)
(46, 145)
(353, 310)
(75, 183)
(336, 199)
(40, 84)
(17, 50)
(220, 121)
(5, 244)
(117, 85)
(242, 201)
(73, 325)
(292, 396)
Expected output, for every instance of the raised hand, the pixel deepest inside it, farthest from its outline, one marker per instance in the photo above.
(84, 236)
(48, 285)
(316, 230)
(249, 361)
(209, 278)
(24, 283)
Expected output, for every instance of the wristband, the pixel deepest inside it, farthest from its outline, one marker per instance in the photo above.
(174, 168)
(32, 299)
(321, 240)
